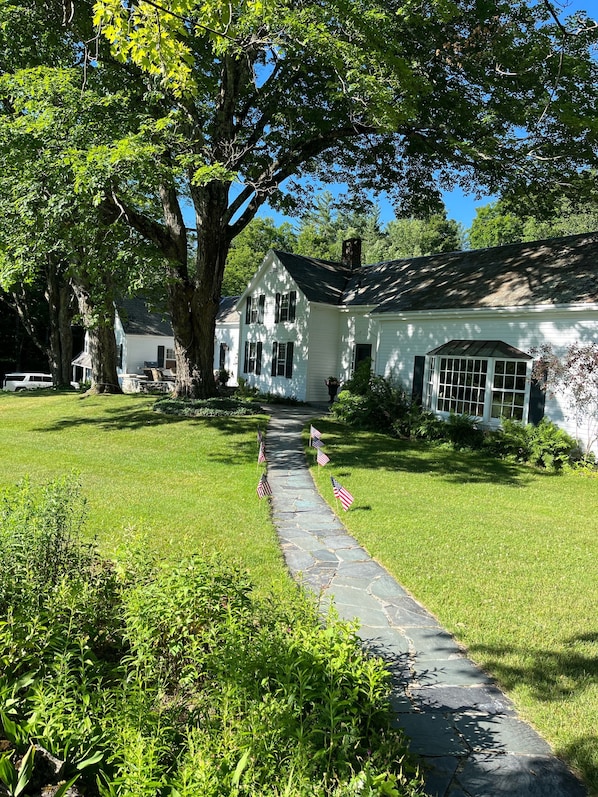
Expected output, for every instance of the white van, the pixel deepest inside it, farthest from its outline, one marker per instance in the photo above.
(27, 381)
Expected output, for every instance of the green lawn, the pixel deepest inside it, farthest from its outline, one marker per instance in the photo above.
(505, 556)
(188, 484)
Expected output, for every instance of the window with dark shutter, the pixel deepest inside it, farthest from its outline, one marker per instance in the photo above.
(258, 358)
(261, 305)
(246, 359)
(289, 361)
(248, 310)
(417, 391)
(292, 305)
(277, 309)
(275, 359)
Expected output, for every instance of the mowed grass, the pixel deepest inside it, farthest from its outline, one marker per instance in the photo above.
(183, 485)
(505, 556)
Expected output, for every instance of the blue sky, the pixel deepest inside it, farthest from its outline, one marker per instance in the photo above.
(460, 206)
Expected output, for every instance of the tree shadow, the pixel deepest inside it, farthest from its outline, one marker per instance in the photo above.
(357, 449)
(550, 675)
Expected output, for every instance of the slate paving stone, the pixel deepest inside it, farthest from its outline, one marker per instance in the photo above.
(367, 570)
(386, 587)
(505, 734)
(431, 734)
(433, 643)
(450, 672)
(466, 732)
(407, 613)
(350, 554)
(481, 699)
(438, 774)
(505, 776)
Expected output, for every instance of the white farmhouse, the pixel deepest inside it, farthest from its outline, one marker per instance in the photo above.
(456, 329)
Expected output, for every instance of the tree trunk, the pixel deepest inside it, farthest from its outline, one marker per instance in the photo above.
(59, 295)
(99, 325)
(194, 302)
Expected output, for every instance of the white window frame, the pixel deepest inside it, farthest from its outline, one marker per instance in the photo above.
(484, 387)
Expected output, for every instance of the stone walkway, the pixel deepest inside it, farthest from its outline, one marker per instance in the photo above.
(465, 730)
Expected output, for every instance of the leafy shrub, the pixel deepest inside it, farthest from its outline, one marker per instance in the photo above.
(544, 445)
(464, 432)
(550, 446)
(180, 681)
(381, 406)
(424, 425)
(207, 408)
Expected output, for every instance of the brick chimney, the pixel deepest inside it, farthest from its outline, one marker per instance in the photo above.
(351, 253)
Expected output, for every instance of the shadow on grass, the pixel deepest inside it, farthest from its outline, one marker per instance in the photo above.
(136, 417)
(376, 451)
(552, 676)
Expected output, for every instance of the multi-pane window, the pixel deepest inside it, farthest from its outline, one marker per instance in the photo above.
(488, 388)
(282, 359)
(254, 309)
(461, 386)
(285, 307)
(508, 389)
(252, 363)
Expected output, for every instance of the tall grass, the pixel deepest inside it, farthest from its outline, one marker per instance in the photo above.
(503, 554)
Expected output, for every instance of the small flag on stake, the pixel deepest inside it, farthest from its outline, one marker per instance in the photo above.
(344, 496)
(317, 443)
(321, 458)
(261, 457)
(263, 486)
(260, 438)
(313, 432)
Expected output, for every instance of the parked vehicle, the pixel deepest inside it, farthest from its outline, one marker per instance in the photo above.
(27, 381)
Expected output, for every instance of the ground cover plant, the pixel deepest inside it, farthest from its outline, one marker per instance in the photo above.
(504, 554)
(161, 672)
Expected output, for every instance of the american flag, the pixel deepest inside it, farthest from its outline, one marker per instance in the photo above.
(261, 457)
(263, 486)
(344, 496)
(313, 432)
(259, 436)
(317, 443)
(321, 458)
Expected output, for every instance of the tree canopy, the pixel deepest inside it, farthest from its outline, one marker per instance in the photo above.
(229, 104)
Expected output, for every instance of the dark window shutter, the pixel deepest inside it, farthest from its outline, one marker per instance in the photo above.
(246, 360)
(274, 356)
(260, 315)
(292, 305)
(258, 358)
(289, 363)
(119, 362)
(417, 391)
(277, 309)
(537, 400)
(161, 353)
(248, 310)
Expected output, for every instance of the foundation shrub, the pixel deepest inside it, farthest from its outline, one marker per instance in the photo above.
(464, 432)
(380, 406)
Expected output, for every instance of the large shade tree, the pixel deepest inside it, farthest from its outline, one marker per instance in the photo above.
(245, 101)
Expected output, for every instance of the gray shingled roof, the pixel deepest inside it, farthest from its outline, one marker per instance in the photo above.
(226, 312)
(322, 281)
(554, 271)
(137, 319)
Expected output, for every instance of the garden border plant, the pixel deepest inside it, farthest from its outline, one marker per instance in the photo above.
(177, 680)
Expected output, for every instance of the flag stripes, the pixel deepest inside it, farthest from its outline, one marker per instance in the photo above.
(344, 496)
